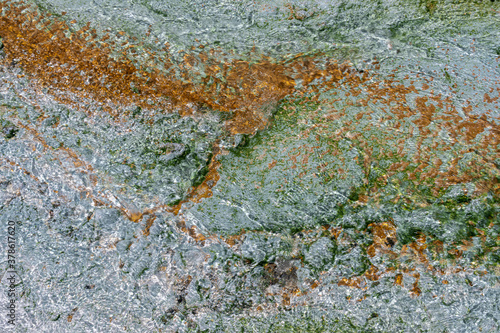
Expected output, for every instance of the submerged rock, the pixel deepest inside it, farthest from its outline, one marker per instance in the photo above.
(305, 186)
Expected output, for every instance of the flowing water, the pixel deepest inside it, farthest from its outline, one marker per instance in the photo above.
(253, 166)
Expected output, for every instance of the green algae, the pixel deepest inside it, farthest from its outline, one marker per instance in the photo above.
(286, 211)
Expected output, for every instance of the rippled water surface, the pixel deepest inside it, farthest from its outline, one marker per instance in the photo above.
(253, 166)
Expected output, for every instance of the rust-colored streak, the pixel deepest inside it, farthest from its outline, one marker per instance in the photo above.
(80, 64)
(149, 224)
(204, 190)
(132, 215)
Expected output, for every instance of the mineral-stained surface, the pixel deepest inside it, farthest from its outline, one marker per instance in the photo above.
(251, 166)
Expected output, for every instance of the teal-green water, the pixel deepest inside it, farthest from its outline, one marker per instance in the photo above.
(290, 226)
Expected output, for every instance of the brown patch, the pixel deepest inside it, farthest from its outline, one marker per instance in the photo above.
(335, 232)
(195, 235)
(398, 280)
(232, 240)
(70, 316)
(415, 290)
(372, 273)
(286, 300)
(353, 282)
(384, 238)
